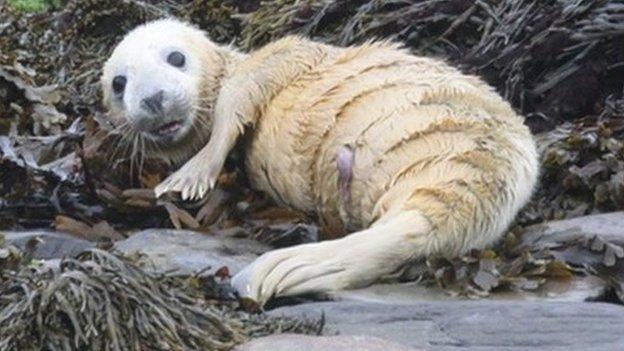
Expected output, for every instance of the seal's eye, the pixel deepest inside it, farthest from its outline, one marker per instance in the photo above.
(119, 84)
(176, 59)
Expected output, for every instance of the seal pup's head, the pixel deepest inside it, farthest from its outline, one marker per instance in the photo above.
(160, 85)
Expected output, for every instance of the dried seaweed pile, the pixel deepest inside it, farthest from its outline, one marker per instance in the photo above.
(553, 59)
(67, 45)
(102, 301)
(523, 263)
(583, 166)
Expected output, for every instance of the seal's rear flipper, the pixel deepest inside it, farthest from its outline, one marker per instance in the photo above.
(350, 262)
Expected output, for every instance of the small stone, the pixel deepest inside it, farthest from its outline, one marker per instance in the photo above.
(289, 342)
(606, 226)
(50, 244)
(189, 251)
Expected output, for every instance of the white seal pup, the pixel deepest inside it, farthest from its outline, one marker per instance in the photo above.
(412, 155)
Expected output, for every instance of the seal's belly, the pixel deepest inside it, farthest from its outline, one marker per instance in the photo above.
(400, 115)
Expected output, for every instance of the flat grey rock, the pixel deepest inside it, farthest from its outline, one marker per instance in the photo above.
(475, 325)
(188, 251)
(52, 244)
(608, 226)
(290, 342)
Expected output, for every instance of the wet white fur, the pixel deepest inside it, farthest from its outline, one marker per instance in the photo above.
(443, 166)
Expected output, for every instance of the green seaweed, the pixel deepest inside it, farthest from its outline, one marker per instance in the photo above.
(33, 6)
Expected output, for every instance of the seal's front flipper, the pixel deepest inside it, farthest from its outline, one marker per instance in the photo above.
(199, 175)
(192, 181)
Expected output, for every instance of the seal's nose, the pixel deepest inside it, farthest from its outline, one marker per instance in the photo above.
(154, 103)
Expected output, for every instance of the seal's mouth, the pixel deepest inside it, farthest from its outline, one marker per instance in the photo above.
(167, 129)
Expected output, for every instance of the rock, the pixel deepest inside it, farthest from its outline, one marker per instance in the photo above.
(289, 342)
(189, 251)
(52, 244)
(608, 226)
(474, 325)
(396, 293)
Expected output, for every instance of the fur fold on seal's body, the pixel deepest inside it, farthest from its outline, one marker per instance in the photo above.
(439, 163)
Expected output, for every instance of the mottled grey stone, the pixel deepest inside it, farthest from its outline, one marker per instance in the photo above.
(52, 244)
(189, 251)
(476, 325)
(291, 342)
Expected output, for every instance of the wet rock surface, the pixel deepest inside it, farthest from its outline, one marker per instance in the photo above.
(289, 342)
(474, 325)
(189, 251)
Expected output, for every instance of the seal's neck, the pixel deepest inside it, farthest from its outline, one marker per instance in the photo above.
(231, 59)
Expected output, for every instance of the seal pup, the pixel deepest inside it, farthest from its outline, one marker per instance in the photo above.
(412, 155)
